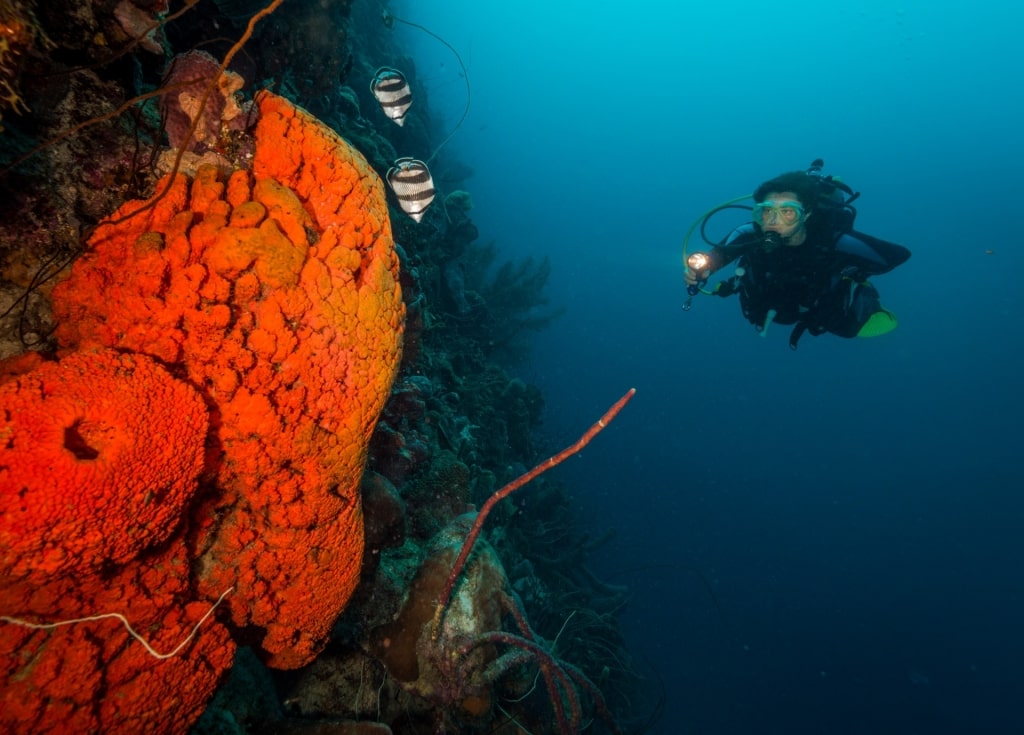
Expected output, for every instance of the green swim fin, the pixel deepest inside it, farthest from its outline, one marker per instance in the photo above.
(879, 323)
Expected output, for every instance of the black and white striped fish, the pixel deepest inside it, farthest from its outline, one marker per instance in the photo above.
(392, 92)
(410, 179)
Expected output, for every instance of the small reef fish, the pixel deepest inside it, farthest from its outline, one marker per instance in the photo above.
(392, 92)
(413, 185)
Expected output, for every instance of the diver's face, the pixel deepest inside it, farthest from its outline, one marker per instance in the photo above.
(779, 215)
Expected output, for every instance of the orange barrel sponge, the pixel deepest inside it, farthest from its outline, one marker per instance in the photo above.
(99, 457)
(276, 292)
(99, 453)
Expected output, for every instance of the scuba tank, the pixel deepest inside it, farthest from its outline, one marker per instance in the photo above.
(835, 199)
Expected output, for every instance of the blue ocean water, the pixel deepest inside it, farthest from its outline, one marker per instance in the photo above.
(855, 506)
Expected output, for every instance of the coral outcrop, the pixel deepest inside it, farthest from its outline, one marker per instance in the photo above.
(406, 647)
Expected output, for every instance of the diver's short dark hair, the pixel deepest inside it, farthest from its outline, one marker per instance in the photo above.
(798, 182)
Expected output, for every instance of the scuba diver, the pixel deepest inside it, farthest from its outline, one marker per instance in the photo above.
(800, 261)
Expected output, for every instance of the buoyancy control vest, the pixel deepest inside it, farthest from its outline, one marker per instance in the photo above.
(795, 285)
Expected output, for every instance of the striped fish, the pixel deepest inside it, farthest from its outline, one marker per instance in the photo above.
(413, 186)
(392, 92)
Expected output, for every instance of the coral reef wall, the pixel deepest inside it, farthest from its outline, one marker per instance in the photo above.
(267, 289)
(199, 263)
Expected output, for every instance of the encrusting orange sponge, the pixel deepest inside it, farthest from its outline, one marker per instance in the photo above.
(274, 292)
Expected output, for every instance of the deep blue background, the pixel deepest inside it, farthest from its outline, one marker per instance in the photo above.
(857, 504)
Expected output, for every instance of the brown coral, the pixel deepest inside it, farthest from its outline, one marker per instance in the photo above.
(199, 101)
(405, 645)
(277, 293)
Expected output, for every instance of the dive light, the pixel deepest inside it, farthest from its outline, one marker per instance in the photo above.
(698, 263)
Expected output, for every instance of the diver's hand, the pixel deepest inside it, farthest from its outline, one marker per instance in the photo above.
(692, 278)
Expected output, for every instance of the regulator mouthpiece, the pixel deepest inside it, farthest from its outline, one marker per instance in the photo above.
(771, 240)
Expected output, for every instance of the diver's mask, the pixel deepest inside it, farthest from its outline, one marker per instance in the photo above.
(773, 213)
(787, 213)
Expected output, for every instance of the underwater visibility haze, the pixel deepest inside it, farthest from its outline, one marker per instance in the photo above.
(435, 248)
(855, 505)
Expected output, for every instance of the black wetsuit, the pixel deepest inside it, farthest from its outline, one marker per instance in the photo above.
(819, 286)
